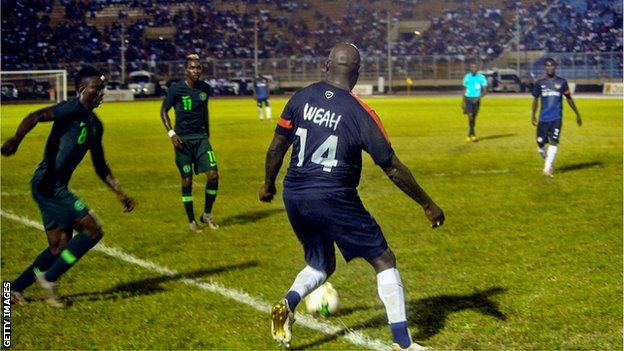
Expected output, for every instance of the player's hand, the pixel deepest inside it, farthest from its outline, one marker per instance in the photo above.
(10, 146)
(534, 121)
(128, 203)
(435, 215)
(177, 141)
(267, 192)
(579, 121)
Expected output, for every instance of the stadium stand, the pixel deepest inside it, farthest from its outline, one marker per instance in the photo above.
(49, 34)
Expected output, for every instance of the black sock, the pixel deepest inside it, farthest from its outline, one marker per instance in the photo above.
(41, 263)
(77, 247)
(211, 195)
(187, 200)
(471, 124)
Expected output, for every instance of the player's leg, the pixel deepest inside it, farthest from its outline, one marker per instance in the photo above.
(360, 236)
(475, 112)
(268, 109)
(57, 241)
(184, 163)
(89, 234)
(554, 132)
(212, 186)
(541, 138)
(390, 290)
(321, 263)
(206, 162)
(260, 112)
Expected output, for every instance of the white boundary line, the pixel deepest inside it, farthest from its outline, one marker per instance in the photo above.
(305, 320)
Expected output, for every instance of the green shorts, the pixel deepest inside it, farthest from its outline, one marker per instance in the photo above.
(60, 209)
(197, 155)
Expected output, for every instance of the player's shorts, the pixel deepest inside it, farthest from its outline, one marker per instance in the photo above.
(60, 209)
(196, 155)
(549, 132)
(472, 106)
(339, 217)
(261, 101)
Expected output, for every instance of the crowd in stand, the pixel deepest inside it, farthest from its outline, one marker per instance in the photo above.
(467, 30)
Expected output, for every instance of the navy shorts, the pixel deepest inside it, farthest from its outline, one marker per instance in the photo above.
(339, 217)
(263, 100)
(472, 106)
(548, 132)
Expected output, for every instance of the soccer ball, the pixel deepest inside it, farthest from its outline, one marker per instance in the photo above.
(324, 300)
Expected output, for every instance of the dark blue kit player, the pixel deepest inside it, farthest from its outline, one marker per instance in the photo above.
(261, 89)
(551, 88)
(328, 127)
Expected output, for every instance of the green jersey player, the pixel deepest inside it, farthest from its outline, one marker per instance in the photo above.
(190, 138)
(75, 131)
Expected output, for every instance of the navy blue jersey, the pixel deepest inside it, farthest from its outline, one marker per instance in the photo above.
(552, 91)
(262, 89)
(329, 127)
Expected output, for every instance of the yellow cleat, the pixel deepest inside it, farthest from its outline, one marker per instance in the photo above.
(281, 321)
(468, 139)
(473, 138)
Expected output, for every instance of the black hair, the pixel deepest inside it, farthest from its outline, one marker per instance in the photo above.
(551, 60)
(84, 72)
(191, 57)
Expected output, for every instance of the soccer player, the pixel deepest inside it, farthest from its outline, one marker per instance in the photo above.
(551, 88)
(329, 127)
(190, 139)
(76, 130)
(261, 88)
(475, 85)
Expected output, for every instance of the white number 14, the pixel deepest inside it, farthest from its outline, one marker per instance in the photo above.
(328, 146)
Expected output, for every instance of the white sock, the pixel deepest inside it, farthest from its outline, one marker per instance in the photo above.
(260, 112)
(550, 157)
(542, 152)
(308, 280)
(390, 291)
(268, 112)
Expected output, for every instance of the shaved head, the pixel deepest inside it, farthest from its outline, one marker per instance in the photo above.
(343, 65)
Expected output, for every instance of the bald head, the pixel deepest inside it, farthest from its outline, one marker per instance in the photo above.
(343, 65)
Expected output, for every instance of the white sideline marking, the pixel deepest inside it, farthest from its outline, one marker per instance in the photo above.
(473, 171)
(305, 320)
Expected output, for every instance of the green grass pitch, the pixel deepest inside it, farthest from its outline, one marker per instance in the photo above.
(524, 262)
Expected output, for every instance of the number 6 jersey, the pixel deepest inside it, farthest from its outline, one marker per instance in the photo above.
(329, 127)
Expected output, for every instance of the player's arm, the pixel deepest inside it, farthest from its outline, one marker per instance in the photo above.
(404, 180)
(104, 172)
(534, 110)
(537, 92)
(568, 95)
(164, 116)
(375, 141)
(274, 159)
(44, 115)
(572, 104)
(206, 126)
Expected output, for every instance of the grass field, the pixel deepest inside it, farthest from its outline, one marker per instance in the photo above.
(523, 262)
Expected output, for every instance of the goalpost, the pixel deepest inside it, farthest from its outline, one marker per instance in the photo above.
(50, 85)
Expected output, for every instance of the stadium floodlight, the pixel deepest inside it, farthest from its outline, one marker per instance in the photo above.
(50, 85)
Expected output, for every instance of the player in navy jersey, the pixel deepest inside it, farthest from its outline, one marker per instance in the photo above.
(261, 89)
(328, 128)
(551, 88)
(75, 131)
